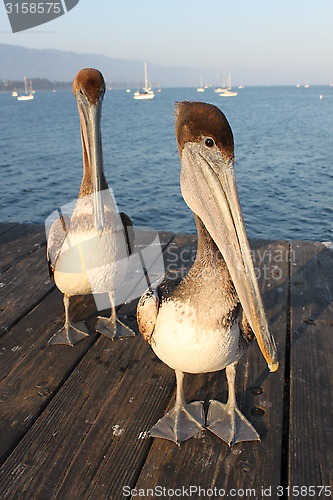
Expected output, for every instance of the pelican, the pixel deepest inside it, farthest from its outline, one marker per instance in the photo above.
(204, 323)
(87, 252)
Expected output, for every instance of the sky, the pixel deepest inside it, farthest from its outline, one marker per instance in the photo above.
(282, 41)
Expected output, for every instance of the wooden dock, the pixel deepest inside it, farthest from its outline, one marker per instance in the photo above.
(74, 421)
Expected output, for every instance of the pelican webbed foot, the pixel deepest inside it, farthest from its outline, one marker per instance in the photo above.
(229, 423)
(226, 420)
(183, 421)
(113, 328)
(70, 334)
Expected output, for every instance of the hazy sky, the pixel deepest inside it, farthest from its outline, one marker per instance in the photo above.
(278, 40)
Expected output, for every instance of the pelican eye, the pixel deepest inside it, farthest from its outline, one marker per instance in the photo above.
(209, 142)
(81, 91)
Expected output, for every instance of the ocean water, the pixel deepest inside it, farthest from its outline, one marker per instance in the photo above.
(283, 150)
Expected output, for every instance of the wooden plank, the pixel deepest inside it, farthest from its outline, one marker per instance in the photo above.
(91, 430)
(24, 396)
(311, 410)
(207, 461)
(22, 287)
(31, 371)
(19, 241)
(60, 432)
(143, 237)
(7, 226)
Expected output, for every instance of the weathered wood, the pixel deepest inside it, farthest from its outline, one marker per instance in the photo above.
(6, 227)
(116, 446)
(311, 381)
(99, 389)
(60, 432)
(23, 287)
(207, 461)
(74, 420)
(19, 241)
(23, 396)
(31, 371)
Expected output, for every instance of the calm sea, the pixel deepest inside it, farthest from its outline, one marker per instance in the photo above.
(283, 147)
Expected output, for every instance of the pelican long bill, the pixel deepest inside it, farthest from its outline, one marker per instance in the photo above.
(209, 188)
(92, 142)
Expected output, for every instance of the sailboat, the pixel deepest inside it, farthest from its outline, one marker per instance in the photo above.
(201, 88)
(28, 96)
(147, 91)
(227, 92)
(219, 89)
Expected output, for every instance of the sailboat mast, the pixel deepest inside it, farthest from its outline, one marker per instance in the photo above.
(229, 81)
(146, 79)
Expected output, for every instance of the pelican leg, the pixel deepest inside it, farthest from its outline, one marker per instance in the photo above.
(226, 420)
(70, 333)
(112, 327)
(183, 421)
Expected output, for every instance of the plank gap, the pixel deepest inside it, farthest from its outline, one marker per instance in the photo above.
(286, 395)
(26, 311)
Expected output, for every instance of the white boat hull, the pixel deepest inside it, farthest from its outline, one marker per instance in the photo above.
(142, 96)
(228, 93)
(25, 97)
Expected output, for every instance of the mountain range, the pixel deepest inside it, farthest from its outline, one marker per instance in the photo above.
(57, 65)
(61, 66)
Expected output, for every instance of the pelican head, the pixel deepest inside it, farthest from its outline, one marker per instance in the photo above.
(89, 90)
(208, 184)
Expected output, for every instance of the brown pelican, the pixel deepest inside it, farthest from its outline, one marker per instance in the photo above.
(204, 323)
(87, 252)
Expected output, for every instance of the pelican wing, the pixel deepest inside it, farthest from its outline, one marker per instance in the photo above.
(55, 240)
(147, 312)
(244, 327)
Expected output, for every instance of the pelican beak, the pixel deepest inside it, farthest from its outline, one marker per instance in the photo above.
(92, 143)
(209, 188)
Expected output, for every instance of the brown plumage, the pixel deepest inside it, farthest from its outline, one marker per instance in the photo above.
(92, 81)
(195, 119)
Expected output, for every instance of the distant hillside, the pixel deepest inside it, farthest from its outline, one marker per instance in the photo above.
(37, 84)
(57, 65)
